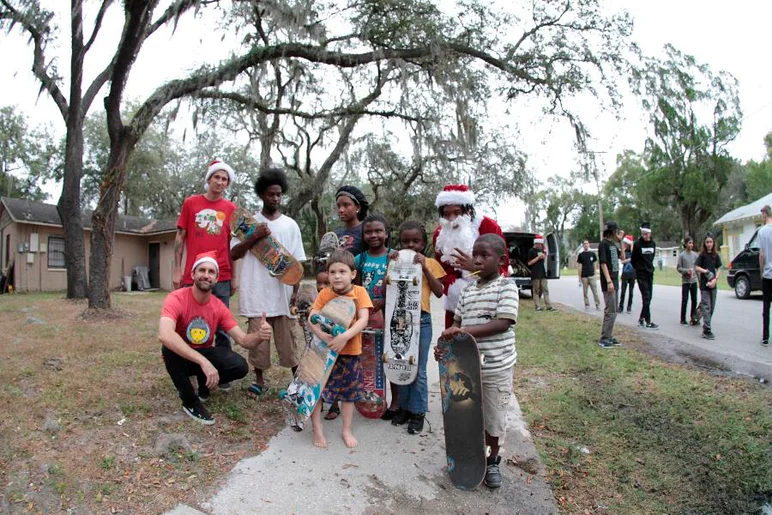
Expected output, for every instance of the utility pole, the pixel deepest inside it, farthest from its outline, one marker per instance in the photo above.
(591, 168)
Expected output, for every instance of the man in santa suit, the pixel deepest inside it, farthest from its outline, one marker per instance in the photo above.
(453, 239)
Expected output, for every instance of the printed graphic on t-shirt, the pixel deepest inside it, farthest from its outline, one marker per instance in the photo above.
(198, 331)
(374, 289)
(647, 250)
(211, 221)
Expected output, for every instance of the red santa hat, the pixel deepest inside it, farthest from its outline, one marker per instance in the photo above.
(215, 166)
(455, 194)
(538, 239)
(628, 240)
(207, 257)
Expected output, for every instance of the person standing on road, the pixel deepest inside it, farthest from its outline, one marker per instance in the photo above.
(537, 258)
(628, 274)
(261, 293)
(585, 266)
(643, 261)
(765, 264)
(608, 255)
(685, 267)
(708, 265)
(204, 226)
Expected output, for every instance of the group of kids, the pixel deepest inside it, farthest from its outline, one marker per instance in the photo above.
(637, 262)
(362, 278)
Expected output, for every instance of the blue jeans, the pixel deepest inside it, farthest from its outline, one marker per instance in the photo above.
(414, 397)
(222, 290)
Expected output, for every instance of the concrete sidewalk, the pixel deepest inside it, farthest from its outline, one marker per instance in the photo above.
(390, 471)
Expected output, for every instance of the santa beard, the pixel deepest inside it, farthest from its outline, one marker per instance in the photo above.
(457, 234)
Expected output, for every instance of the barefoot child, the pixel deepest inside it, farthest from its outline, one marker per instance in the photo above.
(414, 397)
(487, 310)
(371, 272)
(345, 382)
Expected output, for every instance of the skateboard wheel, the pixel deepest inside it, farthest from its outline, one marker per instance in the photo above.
(388, 279)
(411, 360)
(294, 310)
(385, 358)
(337, 331)
(282, 394)
(415, 281)
(315, 318)
(487, 451)
(482, 359)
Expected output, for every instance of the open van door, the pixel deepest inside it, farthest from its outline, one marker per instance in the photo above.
(553, 257)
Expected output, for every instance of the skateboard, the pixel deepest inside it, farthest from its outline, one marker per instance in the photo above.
(462, 415)
(327, 244)
(374, 403)
(305, 390)
(303, 301)
(277, 259)
(403, 319)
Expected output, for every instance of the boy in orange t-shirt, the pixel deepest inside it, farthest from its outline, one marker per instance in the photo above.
(345, 382)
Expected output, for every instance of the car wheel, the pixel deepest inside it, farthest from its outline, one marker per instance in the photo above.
(742, 287)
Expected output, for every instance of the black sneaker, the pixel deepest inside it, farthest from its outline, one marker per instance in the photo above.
(199, 413)
(551, 309)
(401, 417)
(708, 335)
(651, 325)
(225, 387)
(203, 393)
(416, 424)
(642, 322)
(605, 343)
(614, 342)
(684, 322)
(492, 473)
(765, 342)
(539, 309)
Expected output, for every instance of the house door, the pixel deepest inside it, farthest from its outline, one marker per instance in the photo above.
(154, 264)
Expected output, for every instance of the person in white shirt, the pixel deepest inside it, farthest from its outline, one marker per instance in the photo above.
(259, 291)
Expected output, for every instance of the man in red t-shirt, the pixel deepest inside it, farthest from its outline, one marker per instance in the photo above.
(204, 226)
(189, 319)
(453, 239)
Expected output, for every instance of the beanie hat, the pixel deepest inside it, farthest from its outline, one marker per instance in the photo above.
(356, 195)
(455, 194)
(215, 166)
(207, 257)
(538, 238)
(645, 227)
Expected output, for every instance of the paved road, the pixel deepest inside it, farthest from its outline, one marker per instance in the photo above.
(389, 472)
(736, 324)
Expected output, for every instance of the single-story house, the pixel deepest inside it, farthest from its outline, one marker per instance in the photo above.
(738, 227)
(32, 247)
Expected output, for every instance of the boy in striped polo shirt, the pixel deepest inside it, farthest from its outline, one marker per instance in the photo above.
(487, 310)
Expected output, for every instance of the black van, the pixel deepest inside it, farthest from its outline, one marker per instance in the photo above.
(744, 272)
(519, 243)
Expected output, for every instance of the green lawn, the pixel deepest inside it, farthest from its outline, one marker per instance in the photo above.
(666, 276)
(620, 429)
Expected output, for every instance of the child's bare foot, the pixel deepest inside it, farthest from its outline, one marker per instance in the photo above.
(348, 439)
(319, 440)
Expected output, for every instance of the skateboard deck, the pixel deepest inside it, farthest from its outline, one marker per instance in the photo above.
(403, 319)
(462, 415)
(303, 301)
(373, 384)
(327, 245)
(305, 390)
(277, 259)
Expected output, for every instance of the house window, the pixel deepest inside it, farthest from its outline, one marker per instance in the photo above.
(675, 252)
(55, 252)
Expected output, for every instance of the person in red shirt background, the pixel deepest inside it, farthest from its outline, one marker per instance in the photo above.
(203, 226)
(453, 239)
(189, 319)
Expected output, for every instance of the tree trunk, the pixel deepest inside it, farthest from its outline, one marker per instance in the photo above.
(69, 209)
(103, 223)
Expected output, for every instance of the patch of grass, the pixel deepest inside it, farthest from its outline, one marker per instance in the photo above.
(107, 462)
(662, 438)
(667, 277)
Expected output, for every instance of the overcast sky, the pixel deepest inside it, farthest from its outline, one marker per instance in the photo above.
(729, 36)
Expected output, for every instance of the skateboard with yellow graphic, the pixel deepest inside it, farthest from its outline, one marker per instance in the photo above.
(277, 259)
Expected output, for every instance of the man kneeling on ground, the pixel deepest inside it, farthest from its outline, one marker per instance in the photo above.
(190, 317)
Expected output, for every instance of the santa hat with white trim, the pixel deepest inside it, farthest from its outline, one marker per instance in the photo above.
(455, 194)
(628, 240)
(645, 227)
(538, 238)
(207, 257)
(215, 166)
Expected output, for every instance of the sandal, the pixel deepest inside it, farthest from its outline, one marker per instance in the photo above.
(332, 413)
(256, 389)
